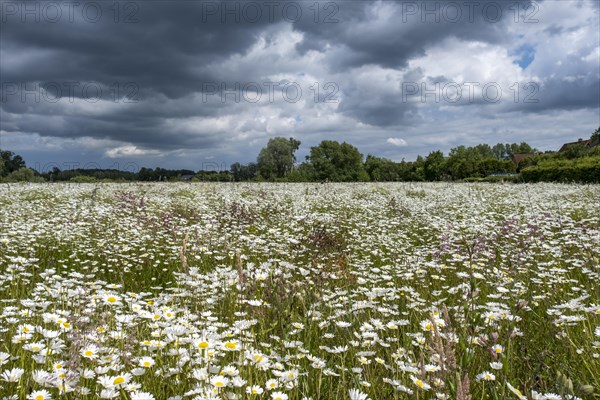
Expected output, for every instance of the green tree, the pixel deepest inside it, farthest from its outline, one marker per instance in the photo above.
(381, 169)
(462, 162)
(501, 152)
(485, 151)
(525, 148)
(520, 148)
(303, 173)
(12, 162)
(277, 159)
(596, 135)
(434, 166)
(241, 172)
(418, 169)
(337, 162)
(1, 167)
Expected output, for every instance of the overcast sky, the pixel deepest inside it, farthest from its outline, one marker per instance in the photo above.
(202, 84)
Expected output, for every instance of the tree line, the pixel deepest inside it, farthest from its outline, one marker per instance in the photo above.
(342, 162)
(332, 161)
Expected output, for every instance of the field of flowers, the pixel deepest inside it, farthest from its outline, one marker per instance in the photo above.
(299, 291)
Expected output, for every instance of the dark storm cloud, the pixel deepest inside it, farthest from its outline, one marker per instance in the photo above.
(160, 48)
(404, 29)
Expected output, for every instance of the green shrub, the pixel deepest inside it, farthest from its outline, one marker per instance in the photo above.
(23, 175)
(584, 170)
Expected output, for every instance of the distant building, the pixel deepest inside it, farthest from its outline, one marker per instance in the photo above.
(589, 143)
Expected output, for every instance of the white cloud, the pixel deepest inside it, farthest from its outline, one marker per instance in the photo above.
(397, 142)
(128, 151)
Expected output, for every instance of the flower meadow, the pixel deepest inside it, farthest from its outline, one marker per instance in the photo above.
(197, 291)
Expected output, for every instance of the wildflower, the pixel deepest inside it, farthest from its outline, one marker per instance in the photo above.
(112, 299)
(496, 365)
(132, 387)
(420, 384)
(219, 381)
(231, 345)
(44, 378)
(146, 362)
(432, 368)
(110, 382)
(137, 395)
(90, 352)
(13, 375)
(230, 370)
(202, 344)
(290, 375)
(486, 376)
(271, 384)
(254, 390)
(516, 391)
(551, 396)
(109, 394)
(34, 347)
(356, 394)
(279, 396)
(40, 395)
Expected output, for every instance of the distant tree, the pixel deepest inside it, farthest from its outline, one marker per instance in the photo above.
(381, 169)
(146, 174)
(418, 169)
(236, 171)
(241, 172)
(521, 148)
(12, 161)
(484, 151)
(277, 159)
(406, 171)
(596, 135)
(337, 162)
(249, 171)
(303, 173)
(462, 162)
(501, 152)
(1, 167)
(434, 166)
(525, 148)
